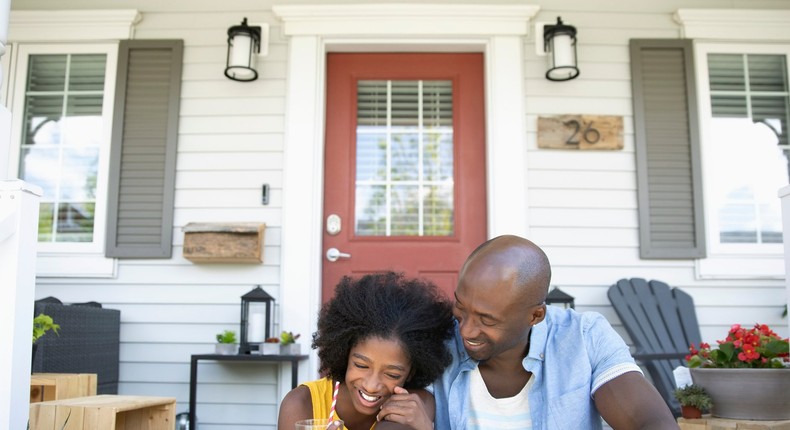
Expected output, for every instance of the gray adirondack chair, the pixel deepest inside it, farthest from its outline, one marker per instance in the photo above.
(662, 323)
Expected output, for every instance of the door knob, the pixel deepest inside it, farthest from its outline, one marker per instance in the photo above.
(333, 254)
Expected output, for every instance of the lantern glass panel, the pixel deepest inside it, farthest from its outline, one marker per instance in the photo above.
(257, 327)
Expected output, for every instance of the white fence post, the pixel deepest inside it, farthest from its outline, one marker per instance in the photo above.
(18, 238)
(5, 115)
(784, 196)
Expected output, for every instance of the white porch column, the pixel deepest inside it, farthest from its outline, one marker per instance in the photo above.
(784, 196)
(506, 142)
(5, 115)
(303, 175)
(18, 230)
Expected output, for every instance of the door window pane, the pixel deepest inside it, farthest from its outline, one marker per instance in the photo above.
(404, 158)
(749, 104)
(61, 141)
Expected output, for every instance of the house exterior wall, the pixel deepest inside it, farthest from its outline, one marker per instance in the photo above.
(580, 206)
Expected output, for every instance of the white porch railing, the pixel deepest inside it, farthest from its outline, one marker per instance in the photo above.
(18, 231)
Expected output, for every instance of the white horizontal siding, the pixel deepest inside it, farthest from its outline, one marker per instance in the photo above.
(581, 205)
(189, 180)
(215, 142)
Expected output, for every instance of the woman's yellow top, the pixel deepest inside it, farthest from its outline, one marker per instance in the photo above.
(321, 391)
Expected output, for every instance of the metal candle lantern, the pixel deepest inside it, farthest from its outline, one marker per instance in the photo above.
(560, 298)
(256, 319)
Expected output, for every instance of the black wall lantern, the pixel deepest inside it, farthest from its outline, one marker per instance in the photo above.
(256, 319)
(560, 40)
(243, 42)
(560, 298)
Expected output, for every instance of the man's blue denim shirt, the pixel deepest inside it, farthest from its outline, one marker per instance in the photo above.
(570, 356)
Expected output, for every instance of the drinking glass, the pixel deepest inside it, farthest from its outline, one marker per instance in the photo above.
(319, 424)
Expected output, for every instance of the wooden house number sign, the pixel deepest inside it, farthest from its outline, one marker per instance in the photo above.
(580, 132)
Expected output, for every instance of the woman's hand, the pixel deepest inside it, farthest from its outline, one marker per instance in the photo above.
(335, 425)
(407, 409)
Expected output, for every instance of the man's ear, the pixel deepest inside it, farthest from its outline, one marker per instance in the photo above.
(538, 315)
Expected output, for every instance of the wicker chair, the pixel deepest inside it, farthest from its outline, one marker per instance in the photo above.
(87, 342)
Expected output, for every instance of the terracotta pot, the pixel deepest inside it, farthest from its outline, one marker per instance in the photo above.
(690, 412)
(747, 394)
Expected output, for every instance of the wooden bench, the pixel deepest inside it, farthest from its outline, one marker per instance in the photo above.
(58, 386)
(104, 412)
(710, 423)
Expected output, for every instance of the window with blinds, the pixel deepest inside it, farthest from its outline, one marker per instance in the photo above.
(750, 113)
(61, 141)
(404, 158)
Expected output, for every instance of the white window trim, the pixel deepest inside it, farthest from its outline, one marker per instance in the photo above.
(72, 25)
(728, 260)
(756, 31)
(80, 28)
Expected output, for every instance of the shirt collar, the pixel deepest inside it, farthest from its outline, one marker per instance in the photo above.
(538, 339)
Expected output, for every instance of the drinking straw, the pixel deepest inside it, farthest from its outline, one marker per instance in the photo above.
(334, 402)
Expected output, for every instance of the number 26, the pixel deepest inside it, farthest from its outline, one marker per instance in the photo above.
(589, 134)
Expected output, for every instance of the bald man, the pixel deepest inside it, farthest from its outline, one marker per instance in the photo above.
(519, 364)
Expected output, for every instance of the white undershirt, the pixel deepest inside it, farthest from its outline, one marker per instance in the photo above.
(488, 413)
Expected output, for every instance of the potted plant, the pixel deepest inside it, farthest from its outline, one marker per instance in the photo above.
(226, 343)
(41, 325)
(270, 346)
(288, 345)
(694, 400)
(747, 376)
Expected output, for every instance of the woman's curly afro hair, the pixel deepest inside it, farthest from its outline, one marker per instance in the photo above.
(389, 306)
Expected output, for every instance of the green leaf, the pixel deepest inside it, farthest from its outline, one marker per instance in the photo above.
(773, 348)
(695, 361)
(227, 336)
(41, 324)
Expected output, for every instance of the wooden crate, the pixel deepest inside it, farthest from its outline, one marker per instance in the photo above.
(224, 242)
(58, 386)
(105, 412)
(710, 423)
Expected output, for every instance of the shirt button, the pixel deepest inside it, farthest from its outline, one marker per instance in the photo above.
(541, 355)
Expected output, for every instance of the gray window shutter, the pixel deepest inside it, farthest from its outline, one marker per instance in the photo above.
(143, 154)
(671, 219)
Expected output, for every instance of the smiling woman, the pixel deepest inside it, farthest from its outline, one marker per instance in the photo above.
(380, 341)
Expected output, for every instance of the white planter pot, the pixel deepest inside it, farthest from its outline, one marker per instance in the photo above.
(290, 349)
(226, 348)
(270, 348)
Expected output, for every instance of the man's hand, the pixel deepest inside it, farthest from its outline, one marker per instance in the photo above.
(407, 409)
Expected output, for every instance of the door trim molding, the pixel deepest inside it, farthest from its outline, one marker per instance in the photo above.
(405, 20)
(497, 31)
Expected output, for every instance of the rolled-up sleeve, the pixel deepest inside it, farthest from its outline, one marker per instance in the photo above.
(608, 353)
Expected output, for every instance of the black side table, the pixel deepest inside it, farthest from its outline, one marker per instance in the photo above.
(294, 359)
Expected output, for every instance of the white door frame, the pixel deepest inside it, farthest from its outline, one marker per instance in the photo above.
(498, 31)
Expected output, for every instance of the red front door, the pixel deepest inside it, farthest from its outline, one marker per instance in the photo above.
(404, 185)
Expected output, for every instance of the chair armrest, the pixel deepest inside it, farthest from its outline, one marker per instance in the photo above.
(659, 356)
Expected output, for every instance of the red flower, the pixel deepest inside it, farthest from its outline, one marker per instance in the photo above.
(753, 348)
